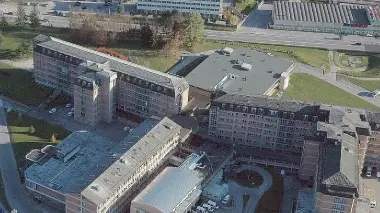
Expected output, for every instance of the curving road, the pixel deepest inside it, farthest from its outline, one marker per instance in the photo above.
(14, 191)
(237, 191)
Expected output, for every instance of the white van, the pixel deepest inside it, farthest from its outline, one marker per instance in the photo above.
(201, 209)
(213, 204)
(208, 207)
(372, 204)
(226, 199)
(369, 171)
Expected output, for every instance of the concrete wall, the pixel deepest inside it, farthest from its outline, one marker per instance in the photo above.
(327, 203)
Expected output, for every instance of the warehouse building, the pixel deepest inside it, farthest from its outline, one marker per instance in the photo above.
(331, 18)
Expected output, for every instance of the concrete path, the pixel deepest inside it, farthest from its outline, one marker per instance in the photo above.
(14, 191)
(237, 191)
(344, 85)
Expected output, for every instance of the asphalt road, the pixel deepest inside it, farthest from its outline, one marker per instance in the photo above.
(13, 189)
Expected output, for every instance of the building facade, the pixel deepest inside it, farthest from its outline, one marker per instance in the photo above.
(207, 8)
(90, 174)
(118, 86)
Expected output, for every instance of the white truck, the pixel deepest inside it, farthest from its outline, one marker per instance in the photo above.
(213, 204)
(208, 207)
(226, 199)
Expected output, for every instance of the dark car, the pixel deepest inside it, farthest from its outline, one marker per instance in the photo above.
(357, 43)
(77, 4)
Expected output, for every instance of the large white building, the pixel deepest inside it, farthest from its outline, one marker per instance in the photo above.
(173, 190)
(207, 8)
(332, 18)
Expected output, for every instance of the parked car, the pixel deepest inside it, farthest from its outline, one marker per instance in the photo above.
(70, 114)
(77, 4)
(357, 43)
(68, 105)
(378, 174)
(72, 110)
(51, 111)
(369, 171)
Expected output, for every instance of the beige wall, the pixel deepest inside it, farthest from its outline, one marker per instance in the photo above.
(45, 191)
(309, 160)
(327, 203)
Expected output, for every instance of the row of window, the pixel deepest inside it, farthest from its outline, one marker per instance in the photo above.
(177, 7)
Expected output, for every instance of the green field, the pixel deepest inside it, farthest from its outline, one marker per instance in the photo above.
(369, 85)
(18, 85)
(3, 199)
(23, 140)
(373, 67)
(309, 88)
(314, 57)
(270, 202)
(245, 6)
(13, 37)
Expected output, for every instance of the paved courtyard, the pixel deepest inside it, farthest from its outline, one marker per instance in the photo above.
(372, 184)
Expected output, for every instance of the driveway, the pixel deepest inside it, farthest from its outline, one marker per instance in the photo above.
(237, 191)
(14, 191)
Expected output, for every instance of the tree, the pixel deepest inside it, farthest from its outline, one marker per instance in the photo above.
(232, 20)
(1, 39)
(21, 15)
(99, 38)
(34, 20)
(3, 24)
(120, 9)
(53, 139)
(194, 29)
(31, 129)
(24, 50)
(147, 37)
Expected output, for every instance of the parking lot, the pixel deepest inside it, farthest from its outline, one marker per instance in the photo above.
(260, 18)
(371, 187)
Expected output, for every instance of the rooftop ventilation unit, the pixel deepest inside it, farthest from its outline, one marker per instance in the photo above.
(245, 66)
(227, 50)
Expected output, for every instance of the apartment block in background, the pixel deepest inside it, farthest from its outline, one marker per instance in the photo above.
(140, 91)
(90, 174)
(211, 8)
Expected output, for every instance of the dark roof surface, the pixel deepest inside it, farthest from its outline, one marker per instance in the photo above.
(269, 102)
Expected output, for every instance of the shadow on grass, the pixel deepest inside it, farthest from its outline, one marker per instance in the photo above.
(8, 54)
(271, 200)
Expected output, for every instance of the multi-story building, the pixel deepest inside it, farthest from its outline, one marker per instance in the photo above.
(372, 154)
(138, 90)
(91, 174)
(325, 144)
(207, 8)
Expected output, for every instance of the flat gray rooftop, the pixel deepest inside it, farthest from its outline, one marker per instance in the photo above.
(61, 176)
(319, 12)
(265, 71)
(168, 189)
(97, 162)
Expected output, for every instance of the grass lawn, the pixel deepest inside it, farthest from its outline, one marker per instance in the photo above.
(314, 57)
(368, 85)
(271, 200)
(3, 199)
(373, 67)
(23, 140)
(13, 37)
(249, 179)
(309, 88)
(245, 6)
(18, 85)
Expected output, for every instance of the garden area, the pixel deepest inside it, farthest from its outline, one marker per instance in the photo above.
(245, 6)
(249, 179)
(18, 85)
(29, 133)
(271, 200)
(358, 66)
(305, 87)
